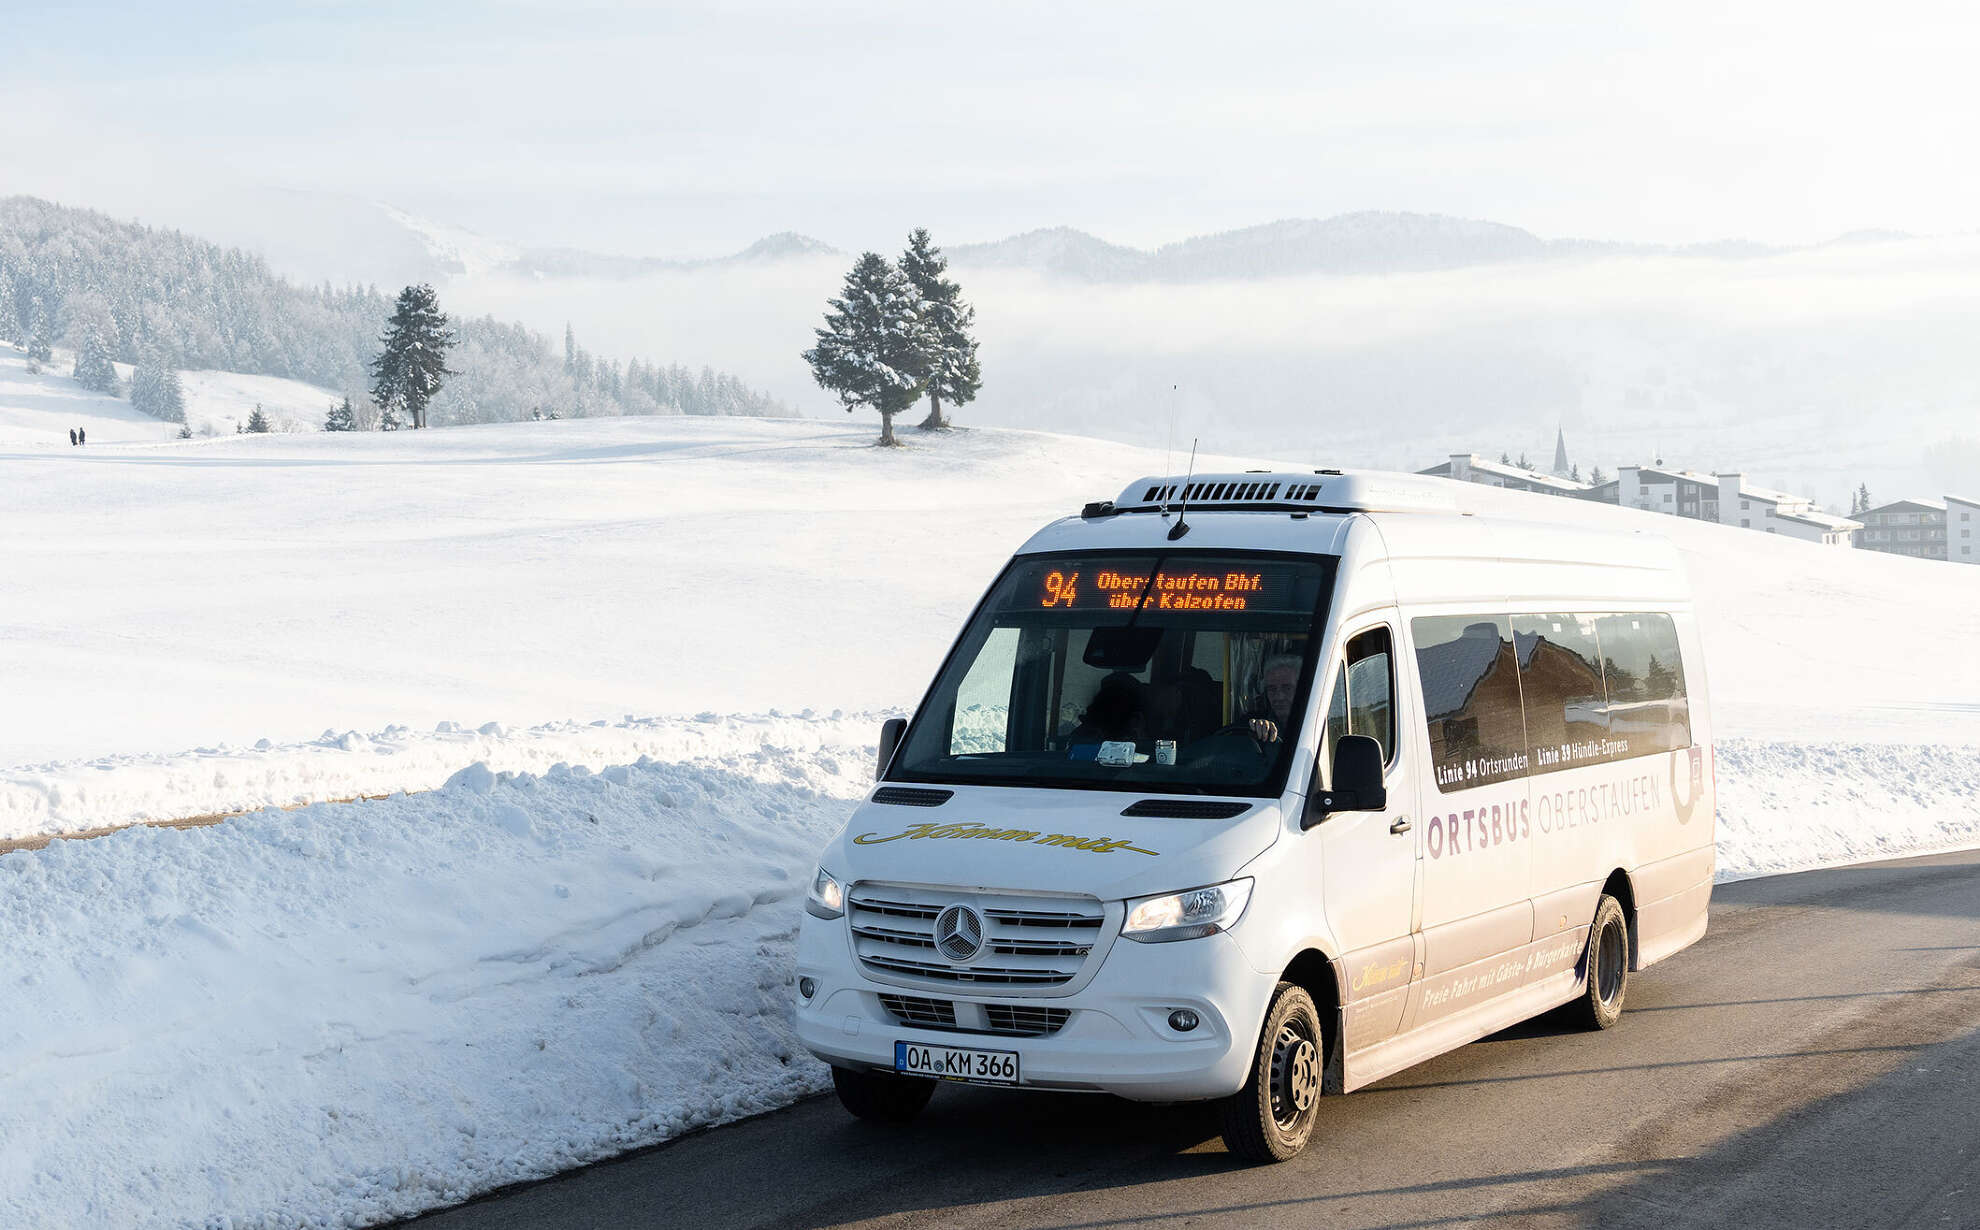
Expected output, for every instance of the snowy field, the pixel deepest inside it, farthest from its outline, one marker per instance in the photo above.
(577, 939)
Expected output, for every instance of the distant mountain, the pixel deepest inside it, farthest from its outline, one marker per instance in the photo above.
(1368, 242)
(1057, 250)
(575, 263)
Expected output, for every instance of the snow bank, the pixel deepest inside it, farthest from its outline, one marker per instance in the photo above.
(1791, 806)
(69, 797)
(353, 1012)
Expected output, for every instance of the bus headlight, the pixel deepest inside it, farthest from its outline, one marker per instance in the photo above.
(826, 898)
(1186, 915)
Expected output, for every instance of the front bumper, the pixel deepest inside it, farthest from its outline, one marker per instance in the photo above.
(1116, 1040)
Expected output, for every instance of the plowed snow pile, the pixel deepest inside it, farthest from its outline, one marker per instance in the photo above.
(578, 939)
(364, 1010)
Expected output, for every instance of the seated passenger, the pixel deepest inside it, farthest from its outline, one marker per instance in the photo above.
(1117, 713)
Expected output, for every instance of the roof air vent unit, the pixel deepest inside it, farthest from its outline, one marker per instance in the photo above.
(1321, 491)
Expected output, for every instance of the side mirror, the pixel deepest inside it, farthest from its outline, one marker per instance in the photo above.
(1357, 781)
(890, 739)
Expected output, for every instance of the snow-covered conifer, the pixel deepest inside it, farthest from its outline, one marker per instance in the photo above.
(954, 374)
(147, 385)
(341, 417)
(93, 370)
(872, 350)
(172, 407)
(409, 371)
(258, 422)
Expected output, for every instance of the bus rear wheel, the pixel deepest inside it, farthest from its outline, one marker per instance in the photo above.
(1271, 1118)
(1607, 961)
(881, 1097)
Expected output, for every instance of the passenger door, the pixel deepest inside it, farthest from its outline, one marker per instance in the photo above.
(1477, 829)
(1368, 858)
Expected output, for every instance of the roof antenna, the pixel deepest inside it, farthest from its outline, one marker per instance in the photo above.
(1169, 452)
(1181, 526)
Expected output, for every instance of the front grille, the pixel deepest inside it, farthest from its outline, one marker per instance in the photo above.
(920, 1013)
(1024, 941)
(1024, 1020)
(1001, 1020)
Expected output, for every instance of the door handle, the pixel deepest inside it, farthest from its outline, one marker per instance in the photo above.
(1401, 825)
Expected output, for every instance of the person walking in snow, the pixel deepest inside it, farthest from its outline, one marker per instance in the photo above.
(82, 435)
(72, 437)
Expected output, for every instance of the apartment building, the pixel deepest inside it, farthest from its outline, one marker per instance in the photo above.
(1906, 527)
(1924, 528)
(1681, 493)
(1962, 530)
(1471, 468)
(1779, 512)
(1725, 498)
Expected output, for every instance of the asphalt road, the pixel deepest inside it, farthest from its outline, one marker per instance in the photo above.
(1813, 1062)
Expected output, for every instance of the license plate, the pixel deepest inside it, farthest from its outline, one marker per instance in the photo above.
(956, 1063)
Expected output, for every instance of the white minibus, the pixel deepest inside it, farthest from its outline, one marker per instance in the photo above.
(1257, 787)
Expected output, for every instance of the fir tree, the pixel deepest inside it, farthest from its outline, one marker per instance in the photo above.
(1596, 477)
(341, 417)
(147, 386)
(872, 350)
(94, 371)
(1523, 463)
(258, 422)
(1863, 498)
(39, 348)
(185, 432)
(173, 407)
(954, 375)
(409, 371)
(1574, 472)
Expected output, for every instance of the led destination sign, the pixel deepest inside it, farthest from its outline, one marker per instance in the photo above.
(1171, 589)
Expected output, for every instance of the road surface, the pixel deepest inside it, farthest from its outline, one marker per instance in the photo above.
(1814, 1061)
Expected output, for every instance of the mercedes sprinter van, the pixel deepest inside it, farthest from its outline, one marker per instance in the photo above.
(1258, 787)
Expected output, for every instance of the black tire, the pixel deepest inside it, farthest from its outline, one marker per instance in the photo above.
(1607, 963)
(882, 1097)
(1271, 1118)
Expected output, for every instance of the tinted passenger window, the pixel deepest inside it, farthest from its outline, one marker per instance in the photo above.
(1647, 708)
(1470, 699)
(1560, 676)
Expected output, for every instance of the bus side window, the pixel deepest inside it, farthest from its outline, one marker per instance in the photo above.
(1371, 689)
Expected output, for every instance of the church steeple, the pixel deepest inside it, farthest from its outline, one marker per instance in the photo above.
(1561, 466)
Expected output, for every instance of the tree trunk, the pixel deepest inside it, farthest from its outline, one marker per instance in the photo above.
(887, 429)
(934, 421)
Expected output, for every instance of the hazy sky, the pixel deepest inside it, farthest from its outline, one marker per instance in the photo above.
(694, 128)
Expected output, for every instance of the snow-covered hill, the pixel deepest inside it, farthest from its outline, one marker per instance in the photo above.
(214, 594)
(41, 408)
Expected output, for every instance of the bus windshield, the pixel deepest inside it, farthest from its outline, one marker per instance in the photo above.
(1161, 672)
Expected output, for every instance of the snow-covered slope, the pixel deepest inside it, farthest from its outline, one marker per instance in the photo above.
(219, 402)
(40, 408)
(214, 594)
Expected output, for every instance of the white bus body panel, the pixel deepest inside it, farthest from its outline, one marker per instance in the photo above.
(1428, 940)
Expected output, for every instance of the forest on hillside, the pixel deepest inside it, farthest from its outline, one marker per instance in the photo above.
(190, 304)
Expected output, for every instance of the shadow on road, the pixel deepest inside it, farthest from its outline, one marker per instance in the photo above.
(1900, 1151)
